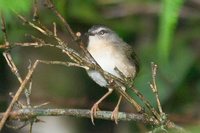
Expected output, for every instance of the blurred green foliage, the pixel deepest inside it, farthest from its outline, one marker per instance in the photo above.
(169, 16)
(18, 5)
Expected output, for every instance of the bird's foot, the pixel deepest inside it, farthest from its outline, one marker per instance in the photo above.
(93, 112)
(114, 115)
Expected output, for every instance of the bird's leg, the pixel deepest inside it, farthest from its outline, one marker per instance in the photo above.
(114, 115)
(95, 106)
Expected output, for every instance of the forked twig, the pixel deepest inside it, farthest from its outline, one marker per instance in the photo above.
(154, 87)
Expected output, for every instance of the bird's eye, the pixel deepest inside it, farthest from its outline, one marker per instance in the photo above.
(102, 32)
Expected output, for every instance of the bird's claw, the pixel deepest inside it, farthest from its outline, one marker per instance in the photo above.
(114, 115)
(93, 112)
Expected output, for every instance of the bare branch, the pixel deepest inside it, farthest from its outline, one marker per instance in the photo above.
(3, 28)
(54, 29)
(154, 86)
(12, 66)
(27, 113)
(35, 11)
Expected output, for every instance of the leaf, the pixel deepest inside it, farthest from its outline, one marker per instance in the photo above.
(168, 22)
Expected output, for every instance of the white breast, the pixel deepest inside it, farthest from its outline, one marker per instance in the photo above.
(108, 56)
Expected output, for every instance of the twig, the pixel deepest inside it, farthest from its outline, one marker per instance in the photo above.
(51, 6)
(35, 11)
(54, 29)
(31, 24)
(34, 44)
(75, 57)
(68, 64)
(3, 28)
(146, 102)
(27, 91)
(154, 87)
(12, 66)
(4, 46)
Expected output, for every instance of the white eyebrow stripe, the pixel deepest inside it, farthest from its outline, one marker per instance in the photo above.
(99, 29)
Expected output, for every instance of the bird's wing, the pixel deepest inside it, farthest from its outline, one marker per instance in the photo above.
(132, 57)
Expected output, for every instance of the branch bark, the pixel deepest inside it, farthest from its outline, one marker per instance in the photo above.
(28, 113)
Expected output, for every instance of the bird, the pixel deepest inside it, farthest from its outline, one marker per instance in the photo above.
(110, 52)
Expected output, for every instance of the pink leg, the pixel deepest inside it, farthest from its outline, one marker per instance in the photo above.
(95, 107)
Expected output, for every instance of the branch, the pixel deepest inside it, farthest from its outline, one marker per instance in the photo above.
(28, 113)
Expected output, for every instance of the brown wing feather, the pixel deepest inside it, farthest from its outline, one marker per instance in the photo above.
(132, 57)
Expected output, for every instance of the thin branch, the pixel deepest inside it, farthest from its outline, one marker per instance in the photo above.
(146, 102)
(34, 44)
(12, 65)
(3, 28)
(35, 11)
(31, 24)
(54, 29)
(75, 57)
(4, 46)
(51, 6)
(154, 86)
(68, 64)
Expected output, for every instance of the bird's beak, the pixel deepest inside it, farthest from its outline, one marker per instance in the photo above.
(89, 34)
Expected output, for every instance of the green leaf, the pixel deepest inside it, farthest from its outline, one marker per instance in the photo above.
(168, 21)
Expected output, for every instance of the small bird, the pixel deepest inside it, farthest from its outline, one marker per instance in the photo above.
(110, 52)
